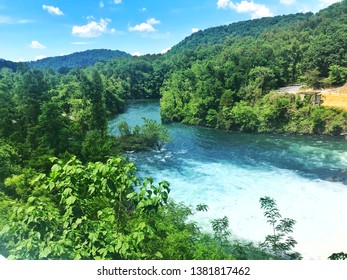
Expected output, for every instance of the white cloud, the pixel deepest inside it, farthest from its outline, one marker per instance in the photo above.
(136, 54)
(117, 1)
(222, 4)
(36, 45)
(145, 26)
(326, 3)
(287, 2)
(153, 21)
(318, 5)
(40, 57)
(194, 30)
(53, 10)
(165, 50)
(93, 28)
(256, 10)
(143, 9)
(101, 4)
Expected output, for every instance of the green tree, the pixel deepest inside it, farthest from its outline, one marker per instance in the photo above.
(96, 147)
(53, 127)
(92, 211)
(244, 117)
(93, 89)
(31, 91)
(156, 135)
(9, 160)
(337, 75)
(114, 95)
(77, 212)
(278, 242)
(262, 78)
(220, 228)
(338, 256)
(8, 117)
(150, 135)
(313, 78)
(124, 129)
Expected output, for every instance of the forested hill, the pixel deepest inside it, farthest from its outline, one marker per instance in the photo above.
(8, 64)
(226, 77)
(78, 59)
(253, 28)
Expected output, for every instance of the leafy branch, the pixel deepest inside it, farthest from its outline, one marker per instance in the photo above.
(279, 242)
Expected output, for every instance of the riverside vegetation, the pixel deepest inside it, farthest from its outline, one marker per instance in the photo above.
(65, 190)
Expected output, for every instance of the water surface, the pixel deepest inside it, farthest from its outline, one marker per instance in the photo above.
(230, 171)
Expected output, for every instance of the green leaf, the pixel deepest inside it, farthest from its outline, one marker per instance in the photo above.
(118, 246)
(67, 191)
(31, 199)
(131, 195)
(110, 248)
(140, 236)
(45, 253)
(54, 174)
(159, 255)
(29, 210)
(71, 200)
(5, 229)
(141, 226)
(103, 251)
(91, 189)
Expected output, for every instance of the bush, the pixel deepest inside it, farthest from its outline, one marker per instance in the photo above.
(244, 117)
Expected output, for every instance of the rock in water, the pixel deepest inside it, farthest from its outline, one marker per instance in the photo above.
(340, 177)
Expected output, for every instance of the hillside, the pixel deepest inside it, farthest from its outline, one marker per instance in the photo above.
(252, 28)
(225, 77)
(8, 64)
(78, 59)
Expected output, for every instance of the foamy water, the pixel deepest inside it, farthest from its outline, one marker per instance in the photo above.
(230, 172)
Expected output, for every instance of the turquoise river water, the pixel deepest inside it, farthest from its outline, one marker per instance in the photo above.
(230, 171)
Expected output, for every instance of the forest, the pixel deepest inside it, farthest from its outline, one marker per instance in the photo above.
(64, 63)
(66, 192)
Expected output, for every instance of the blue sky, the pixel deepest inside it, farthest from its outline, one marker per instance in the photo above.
(33, 29)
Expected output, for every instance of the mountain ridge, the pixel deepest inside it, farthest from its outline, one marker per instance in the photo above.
(253, 28)
(210, 36)
(8, 64)
(78, 59)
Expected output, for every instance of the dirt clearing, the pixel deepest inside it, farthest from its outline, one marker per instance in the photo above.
(335, 97)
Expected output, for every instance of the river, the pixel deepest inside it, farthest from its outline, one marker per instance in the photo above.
(231, 171)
